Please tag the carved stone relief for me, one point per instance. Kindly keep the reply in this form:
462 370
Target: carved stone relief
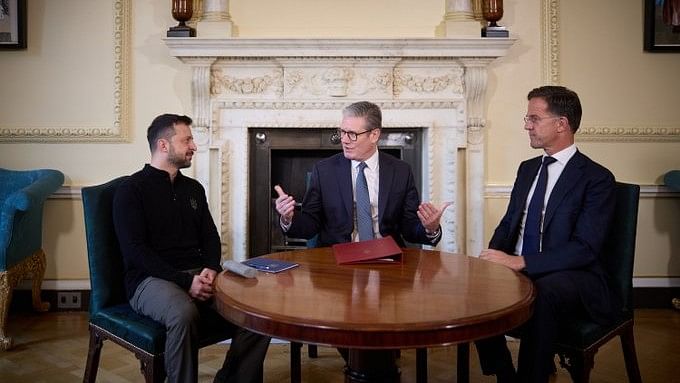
222 84
338 81
414 81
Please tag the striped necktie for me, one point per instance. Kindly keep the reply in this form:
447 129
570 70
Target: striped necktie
531 241
363 206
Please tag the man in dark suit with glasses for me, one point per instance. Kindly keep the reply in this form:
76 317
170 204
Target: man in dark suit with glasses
559 212
361 193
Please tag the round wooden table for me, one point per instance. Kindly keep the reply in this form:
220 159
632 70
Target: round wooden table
431 299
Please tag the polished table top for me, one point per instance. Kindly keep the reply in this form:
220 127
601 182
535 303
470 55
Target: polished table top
433 298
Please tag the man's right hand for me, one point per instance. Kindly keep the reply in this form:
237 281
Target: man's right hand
201 288
285 205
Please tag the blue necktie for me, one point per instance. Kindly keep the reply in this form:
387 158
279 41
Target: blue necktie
531 241
363 207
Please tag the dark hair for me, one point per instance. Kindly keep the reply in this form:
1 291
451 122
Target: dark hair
368 110
561 102
163 126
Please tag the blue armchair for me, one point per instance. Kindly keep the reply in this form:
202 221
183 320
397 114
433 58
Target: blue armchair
22 194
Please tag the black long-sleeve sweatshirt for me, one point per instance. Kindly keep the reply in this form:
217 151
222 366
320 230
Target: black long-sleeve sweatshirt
164 228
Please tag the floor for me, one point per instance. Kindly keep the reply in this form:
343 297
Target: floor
52 347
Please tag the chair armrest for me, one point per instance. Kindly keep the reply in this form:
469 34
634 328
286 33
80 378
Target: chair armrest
37 192
26 199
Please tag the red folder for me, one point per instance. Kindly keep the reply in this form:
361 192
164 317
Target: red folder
380 250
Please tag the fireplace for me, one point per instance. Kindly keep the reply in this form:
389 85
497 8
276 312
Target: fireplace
243 89
285 157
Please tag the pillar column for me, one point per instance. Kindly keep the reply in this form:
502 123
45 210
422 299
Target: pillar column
475 93
201 116
215 20
459 19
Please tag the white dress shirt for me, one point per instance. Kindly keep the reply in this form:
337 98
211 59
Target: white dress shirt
554 172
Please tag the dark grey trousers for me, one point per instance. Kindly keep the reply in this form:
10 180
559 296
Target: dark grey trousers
167 303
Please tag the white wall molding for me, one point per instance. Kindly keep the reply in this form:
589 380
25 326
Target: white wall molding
118 131
550 27
629 133
550 53
68 192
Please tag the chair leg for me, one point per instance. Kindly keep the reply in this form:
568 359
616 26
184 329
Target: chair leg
630 356
586 367
5 299
463 363
152 367
578 365
421 365
312 351
93 354
36 266
295 362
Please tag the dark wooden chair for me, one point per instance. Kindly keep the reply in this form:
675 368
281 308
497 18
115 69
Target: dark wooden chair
579 341
111 317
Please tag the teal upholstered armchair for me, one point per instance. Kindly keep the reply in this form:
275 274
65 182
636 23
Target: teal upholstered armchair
111 317
22 194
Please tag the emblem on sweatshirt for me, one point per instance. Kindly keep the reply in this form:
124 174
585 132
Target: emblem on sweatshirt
193 203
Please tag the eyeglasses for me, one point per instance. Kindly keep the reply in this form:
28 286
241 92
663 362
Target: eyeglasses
351 135
533 120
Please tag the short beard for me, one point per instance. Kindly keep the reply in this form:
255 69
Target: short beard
177 161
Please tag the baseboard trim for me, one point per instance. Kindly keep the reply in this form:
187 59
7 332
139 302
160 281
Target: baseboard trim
57 284
671 282
22 300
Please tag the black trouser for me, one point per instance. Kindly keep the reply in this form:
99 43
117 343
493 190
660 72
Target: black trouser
558 299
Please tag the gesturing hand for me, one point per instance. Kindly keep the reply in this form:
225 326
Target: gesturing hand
285 205
430 215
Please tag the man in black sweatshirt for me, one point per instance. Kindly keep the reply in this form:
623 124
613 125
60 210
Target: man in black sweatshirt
171 252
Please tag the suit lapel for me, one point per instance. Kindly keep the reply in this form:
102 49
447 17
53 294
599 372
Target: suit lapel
524 182
384 183
344 172
570 175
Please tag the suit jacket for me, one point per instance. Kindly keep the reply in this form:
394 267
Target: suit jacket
575 224
327 208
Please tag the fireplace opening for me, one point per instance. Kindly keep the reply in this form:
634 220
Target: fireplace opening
285 156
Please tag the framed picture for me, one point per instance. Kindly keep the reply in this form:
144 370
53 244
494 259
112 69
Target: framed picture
662 25
12 24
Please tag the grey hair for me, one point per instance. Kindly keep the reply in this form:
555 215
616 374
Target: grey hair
368 110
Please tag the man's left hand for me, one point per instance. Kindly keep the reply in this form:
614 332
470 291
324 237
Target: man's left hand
515 262
430 215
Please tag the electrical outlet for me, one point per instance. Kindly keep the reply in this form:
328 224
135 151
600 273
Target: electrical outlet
69 299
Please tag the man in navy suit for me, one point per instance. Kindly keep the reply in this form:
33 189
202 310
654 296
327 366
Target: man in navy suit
558 247
328 208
